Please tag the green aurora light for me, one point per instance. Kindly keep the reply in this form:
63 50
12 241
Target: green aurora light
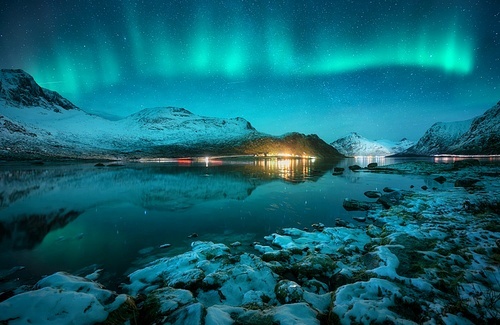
273 42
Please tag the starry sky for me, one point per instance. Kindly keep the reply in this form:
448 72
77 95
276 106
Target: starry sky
385 69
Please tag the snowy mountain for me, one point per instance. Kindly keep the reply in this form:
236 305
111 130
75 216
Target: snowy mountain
483 136
39 123
356 145
439 137
480 135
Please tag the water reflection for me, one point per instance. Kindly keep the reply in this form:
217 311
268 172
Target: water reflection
35 200
292 170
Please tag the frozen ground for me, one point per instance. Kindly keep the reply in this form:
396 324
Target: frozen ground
431 258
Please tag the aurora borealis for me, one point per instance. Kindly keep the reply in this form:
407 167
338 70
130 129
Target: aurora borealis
382 68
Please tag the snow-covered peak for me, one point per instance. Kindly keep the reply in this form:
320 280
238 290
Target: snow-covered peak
162 112
176 117
19 89
356 145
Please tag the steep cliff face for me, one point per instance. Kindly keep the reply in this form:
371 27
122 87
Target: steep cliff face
19 89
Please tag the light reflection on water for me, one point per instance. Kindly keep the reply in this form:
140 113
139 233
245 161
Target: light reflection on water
65 217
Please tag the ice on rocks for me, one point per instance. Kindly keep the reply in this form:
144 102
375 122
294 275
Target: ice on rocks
368 302
61 298
299 313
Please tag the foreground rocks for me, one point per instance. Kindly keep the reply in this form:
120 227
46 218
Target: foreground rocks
423 257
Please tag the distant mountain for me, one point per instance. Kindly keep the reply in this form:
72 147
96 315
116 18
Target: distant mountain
480 135
39 123
356 145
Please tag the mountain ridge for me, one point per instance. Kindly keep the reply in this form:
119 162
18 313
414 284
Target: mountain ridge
476 136
39 123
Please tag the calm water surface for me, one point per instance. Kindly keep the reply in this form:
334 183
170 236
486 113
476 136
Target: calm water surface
78 217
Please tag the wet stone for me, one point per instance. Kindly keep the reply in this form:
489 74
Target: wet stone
373 194
355 205
466 182
355 167
440 179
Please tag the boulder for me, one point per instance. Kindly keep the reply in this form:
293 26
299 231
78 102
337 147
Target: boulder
289 292
391 199
67 299
315 266
466 182
372 165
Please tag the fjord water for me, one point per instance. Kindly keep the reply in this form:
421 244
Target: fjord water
76 217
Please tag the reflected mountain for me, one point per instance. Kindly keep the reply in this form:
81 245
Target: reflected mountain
27 231
35 200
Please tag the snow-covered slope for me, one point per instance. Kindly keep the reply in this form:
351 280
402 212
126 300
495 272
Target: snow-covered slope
356 145
39 123
480 135
483 136
439 138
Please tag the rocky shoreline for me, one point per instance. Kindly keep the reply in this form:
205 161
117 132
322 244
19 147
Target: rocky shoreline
426 256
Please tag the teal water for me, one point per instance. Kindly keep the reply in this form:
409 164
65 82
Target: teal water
76 217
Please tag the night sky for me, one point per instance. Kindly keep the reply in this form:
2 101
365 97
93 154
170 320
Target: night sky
386 69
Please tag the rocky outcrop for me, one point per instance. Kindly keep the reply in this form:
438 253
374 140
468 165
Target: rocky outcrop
19 89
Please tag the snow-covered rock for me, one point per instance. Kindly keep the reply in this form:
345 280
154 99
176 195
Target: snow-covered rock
356 145
65 299
39 123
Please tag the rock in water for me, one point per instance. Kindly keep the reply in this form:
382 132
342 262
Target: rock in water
355 167
465 163
440 179
372 165
466 182
355 205
338 171
373 194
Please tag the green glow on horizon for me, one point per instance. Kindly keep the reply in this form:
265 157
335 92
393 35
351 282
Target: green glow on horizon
240 47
